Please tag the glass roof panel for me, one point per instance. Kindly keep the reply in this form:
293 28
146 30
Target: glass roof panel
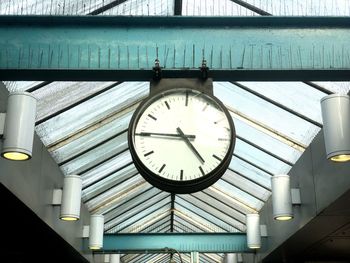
97 155
214 8
246 185
143 219
239 195
107 200
260 158
109 182
264 113
132 214
251 172
186 226
143 8
101 171
335 87
56 96
223 216
211 257
265 141
296 96
229 200
95 135
18 86
120 209
212 200
159 226
304 8
81 116
124 193
207 216
195 219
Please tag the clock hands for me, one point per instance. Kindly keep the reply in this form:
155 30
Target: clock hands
181 135
188 136
189 144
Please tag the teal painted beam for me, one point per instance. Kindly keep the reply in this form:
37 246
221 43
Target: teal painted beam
182 242
125 48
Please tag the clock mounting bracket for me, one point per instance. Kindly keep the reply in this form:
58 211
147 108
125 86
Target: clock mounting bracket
161 85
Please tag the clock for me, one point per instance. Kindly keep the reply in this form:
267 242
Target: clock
181 138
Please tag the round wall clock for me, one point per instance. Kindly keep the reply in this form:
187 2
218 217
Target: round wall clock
181 137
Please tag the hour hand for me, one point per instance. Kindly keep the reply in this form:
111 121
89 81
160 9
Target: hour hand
189 136
189 144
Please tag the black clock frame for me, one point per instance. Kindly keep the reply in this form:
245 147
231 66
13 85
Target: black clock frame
172 186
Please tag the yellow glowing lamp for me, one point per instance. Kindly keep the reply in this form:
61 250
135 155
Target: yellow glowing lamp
94 248
283 218
69 218
16 156
341 158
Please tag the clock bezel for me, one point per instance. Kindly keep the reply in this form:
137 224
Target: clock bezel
174 186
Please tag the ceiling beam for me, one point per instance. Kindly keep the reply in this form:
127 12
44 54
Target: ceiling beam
125 48
169 242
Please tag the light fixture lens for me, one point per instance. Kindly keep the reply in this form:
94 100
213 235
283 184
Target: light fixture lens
341 158
283 218
254 247
94 248
16 156
69 218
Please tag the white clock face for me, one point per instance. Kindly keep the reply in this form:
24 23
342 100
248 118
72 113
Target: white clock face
182 135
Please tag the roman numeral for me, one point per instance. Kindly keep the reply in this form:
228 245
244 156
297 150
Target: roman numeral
186 103
181 175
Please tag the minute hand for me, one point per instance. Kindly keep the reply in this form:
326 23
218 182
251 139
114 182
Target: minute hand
189 136
189 144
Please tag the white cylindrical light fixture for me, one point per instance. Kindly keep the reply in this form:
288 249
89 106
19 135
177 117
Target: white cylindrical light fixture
19 126
71 198
231 258
336 126
281 197
96 232
114 258
253 231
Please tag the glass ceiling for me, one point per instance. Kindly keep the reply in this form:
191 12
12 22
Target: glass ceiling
84 126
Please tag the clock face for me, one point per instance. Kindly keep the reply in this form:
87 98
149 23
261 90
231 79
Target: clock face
182 137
